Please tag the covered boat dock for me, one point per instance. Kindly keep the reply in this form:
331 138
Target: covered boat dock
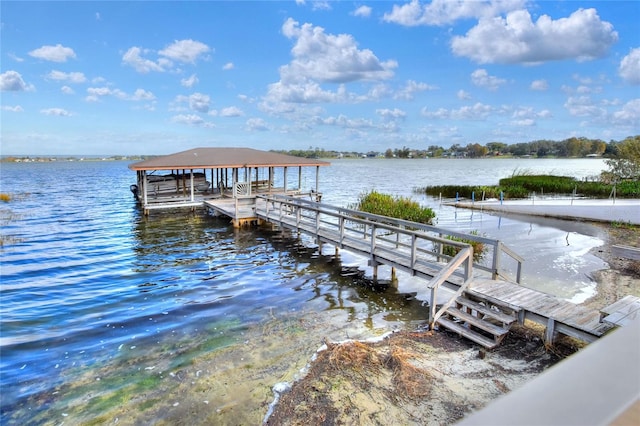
224 180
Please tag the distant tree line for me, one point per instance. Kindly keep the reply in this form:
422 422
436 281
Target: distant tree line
568 148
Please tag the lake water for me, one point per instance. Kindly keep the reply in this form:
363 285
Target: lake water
108 316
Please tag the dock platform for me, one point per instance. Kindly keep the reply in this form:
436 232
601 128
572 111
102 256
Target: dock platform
414 249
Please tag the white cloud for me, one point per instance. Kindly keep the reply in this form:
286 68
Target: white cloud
67 90
185 51
57 53
583 106
16 108
443 12
525 122
142 95
14 57
231 112
133 58
528 113
629 114
318 58
56 112
412 87
11 81
391 114
95 93
190 82
346 123
228 66
462 95
257 124
199 102
478 111
362 11
191 120
71 77
321 5
330 58
539 85
481 78
629 68
301 93
517 39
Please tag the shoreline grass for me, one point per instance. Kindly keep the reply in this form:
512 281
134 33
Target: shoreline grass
522 186
397 207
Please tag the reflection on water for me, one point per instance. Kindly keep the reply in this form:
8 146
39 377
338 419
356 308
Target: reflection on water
109 316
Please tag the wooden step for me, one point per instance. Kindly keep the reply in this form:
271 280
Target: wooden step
468 333
489 327
486 310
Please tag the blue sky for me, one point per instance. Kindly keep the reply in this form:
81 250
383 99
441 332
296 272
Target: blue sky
107 78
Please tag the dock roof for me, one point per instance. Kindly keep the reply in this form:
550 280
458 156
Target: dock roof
217 158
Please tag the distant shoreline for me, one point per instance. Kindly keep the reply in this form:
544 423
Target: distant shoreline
73 158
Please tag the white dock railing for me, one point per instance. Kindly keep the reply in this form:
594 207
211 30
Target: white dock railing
420 241
409 246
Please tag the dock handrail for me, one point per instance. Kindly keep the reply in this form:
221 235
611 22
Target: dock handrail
393 225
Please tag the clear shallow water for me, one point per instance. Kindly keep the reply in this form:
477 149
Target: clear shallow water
90 288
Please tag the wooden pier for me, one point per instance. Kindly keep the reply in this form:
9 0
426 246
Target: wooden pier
483 299
483 302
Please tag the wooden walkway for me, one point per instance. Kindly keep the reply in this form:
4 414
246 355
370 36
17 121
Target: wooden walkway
482 307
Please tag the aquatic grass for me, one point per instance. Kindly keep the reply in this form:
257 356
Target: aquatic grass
624 225
479 248
397 207
522 185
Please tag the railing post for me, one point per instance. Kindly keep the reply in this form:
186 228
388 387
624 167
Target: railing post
496 260
341 221
414 243
432 306
373 239
468 268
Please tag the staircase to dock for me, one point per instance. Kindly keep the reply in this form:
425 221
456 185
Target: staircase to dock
479 322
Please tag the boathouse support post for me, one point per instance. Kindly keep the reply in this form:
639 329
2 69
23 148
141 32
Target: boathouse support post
145 185
285 179
317 180
300 178
192 189
270 179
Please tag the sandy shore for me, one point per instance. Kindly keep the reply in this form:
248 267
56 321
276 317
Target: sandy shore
436 377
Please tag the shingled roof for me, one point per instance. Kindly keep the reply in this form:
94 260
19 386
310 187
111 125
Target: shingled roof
216 158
